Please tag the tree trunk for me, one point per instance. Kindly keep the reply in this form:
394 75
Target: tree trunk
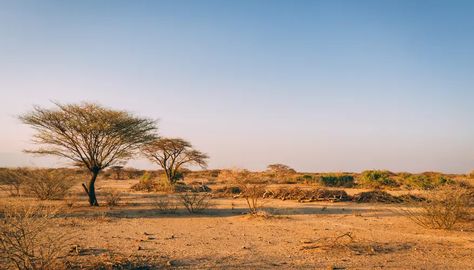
169 176
90 189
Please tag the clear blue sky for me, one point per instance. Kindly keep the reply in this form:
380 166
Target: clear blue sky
318 85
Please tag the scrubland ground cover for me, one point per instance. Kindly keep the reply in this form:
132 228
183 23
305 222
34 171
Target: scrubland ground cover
235 219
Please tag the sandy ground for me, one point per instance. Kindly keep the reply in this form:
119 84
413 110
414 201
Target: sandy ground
294 236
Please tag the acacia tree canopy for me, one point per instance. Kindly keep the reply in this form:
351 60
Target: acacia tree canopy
89 135
280 168
173 154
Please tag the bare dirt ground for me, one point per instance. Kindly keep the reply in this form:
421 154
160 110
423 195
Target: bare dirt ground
318 235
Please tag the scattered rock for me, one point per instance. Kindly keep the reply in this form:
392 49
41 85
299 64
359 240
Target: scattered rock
171 263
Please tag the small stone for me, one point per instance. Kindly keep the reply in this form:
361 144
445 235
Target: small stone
171 263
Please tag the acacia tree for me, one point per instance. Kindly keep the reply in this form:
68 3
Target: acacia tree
280 169
173 154
89 135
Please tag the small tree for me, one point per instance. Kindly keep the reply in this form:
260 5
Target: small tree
173 154
280 169
89 135
117 169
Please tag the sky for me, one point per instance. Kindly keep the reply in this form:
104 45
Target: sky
317 85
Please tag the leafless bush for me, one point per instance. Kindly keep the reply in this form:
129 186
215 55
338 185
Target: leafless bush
195 202
27 240
113 197
166 205
12 180
253 195
48 184
442 209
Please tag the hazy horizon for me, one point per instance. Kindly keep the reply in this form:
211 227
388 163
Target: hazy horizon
316 85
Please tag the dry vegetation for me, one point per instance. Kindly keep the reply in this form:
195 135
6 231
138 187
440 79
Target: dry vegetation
146 225
30 239
195 202
442 209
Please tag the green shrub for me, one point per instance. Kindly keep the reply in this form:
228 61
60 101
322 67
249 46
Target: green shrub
146 183
306 178
426 181
377 179
337 180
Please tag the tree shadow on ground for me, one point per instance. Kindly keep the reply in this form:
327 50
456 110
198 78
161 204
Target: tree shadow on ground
146 212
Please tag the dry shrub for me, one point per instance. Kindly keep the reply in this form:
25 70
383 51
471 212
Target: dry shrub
113 197
411 198
348 242
280 173
375 196
233 175
253 195
48 184
148 183
441 210
27 239
12 180
226 191
330 243
199 186
195 202
307 195
166 205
